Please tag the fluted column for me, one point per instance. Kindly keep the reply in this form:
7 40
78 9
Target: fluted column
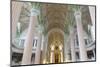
16 10
26 59
82 46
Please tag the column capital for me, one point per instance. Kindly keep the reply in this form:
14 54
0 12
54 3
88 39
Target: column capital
35 12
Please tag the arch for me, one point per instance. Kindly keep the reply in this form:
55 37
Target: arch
55 44
55 30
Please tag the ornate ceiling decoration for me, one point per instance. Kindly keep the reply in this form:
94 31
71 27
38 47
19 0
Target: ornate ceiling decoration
54 16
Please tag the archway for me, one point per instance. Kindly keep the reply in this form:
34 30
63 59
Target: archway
55 46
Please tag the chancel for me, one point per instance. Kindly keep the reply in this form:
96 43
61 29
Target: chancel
46 33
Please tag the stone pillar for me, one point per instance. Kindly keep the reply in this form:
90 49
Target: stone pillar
38 49
45 45
26 59
66 48
44 49
42 44
61 53
16 10
92 14
52 57
52 54
43 60
73 52
82 46
61 56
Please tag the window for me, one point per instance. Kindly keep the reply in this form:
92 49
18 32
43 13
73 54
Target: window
33 57
18 29
90 54
18 26
35 43
77 55
77 40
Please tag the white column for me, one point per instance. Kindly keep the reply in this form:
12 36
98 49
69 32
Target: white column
45 45
92 14
16 10
42 44
29 38
52 54
82 46
44 48
73 52
52 57
61 56
38 49
66 49
61 53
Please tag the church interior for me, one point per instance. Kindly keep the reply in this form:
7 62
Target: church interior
52 33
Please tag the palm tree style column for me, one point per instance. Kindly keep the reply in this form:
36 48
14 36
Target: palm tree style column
26 59
70 31
82 46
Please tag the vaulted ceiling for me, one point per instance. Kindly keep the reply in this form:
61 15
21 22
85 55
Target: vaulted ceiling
54 16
